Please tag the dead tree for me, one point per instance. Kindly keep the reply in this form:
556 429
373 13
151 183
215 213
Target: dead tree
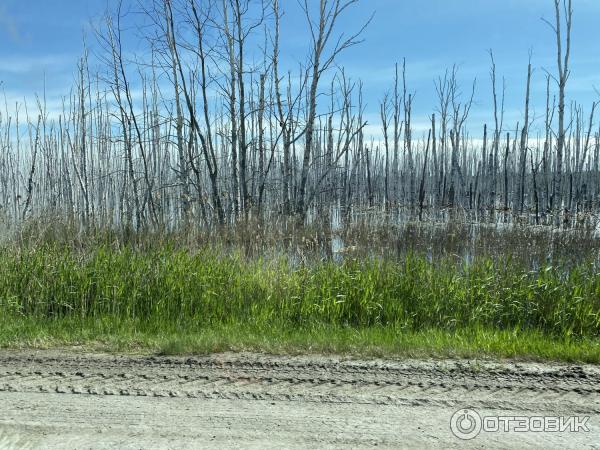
523 146
321 33
563 76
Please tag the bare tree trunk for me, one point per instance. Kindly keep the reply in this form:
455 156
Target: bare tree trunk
233 116
261 142
329 13
535 192
397 132
523 146
563 75
181 151
422 186
506 152
384 114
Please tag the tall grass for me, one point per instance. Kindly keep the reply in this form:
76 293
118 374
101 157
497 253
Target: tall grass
171 287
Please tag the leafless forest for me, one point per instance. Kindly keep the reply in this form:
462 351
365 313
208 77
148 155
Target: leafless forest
206 128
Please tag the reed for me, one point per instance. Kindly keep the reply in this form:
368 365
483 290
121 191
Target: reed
169 287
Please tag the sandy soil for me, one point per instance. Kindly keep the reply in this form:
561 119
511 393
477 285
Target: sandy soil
52 399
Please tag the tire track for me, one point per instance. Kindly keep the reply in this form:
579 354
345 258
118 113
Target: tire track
66 400
507 386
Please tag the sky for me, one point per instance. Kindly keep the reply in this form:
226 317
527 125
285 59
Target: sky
41 41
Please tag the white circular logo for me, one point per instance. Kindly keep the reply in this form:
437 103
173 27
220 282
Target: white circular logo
465 424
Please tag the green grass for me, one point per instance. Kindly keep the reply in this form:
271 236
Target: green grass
174 301
136 337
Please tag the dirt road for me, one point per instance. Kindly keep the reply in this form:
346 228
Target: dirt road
50 399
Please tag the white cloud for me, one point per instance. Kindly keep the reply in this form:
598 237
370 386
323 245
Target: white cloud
19 65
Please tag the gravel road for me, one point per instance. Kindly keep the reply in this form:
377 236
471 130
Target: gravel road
53 399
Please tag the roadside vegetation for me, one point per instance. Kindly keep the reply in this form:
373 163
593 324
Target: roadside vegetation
213 195
167 294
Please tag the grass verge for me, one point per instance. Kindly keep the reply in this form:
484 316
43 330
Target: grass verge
131 337
176 301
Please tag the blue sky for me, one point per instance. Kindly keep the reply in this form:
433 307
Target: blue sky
42 40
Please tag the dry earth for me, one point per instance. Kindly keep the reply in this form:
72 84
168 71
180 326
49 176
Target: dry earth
52 399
